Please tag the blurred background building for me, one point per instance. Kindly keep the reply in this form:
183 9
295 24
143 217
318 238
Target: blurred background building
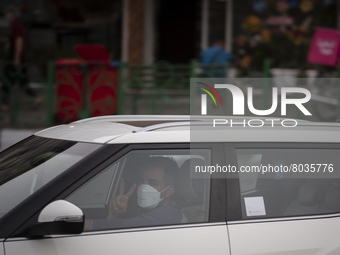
164 39
147 31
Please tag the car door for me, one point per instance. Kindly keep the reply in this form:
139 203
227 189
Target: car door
285 212
199 228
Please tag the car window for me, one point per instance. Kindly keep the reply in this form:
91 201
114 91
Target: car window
32 163
146 188
288 182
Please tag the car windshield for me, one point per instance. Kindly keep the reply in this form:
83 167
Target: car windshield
32 163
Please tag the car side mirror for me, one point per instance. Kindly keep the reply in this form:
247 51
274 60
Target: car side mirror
58 218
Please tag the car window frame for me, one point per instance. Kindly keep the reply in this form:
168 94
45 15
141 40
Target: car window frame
26 214
116 151
234 206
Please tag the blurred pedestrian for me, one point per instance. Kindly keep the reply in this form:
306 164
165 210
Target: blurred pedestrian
214 59
14 69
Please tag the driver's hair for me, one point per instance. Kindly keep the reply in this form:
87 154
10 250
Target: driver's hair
168 165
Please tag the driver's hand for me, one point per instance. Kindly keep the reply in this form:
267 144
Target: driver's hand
118 204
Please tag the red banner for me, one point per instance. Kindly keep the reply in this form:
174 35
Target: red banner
92 88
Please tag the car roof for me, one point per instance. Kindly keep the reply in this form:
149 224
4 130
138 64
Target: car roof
185 128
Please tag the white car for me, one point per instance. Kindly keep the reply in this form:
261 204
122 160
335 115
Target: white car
172 185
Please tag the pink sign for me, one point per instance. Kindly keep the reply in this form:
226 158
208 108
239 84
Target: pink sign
325 47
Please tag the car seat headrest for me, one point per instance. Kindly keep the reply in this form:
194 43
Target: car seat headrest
332 198
312 192
189 188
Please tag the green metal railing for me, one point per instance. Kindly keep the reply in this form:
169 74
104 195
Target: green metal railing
158 82
145 89
162 81
147 86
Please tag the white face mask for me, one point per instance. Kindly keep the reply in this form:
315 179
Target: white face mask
148 197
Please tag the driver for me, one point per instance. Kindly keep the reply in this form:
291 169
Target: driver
155 190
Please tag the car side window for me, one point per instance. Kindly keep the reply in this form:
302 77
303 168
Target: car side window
146 188
288 182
